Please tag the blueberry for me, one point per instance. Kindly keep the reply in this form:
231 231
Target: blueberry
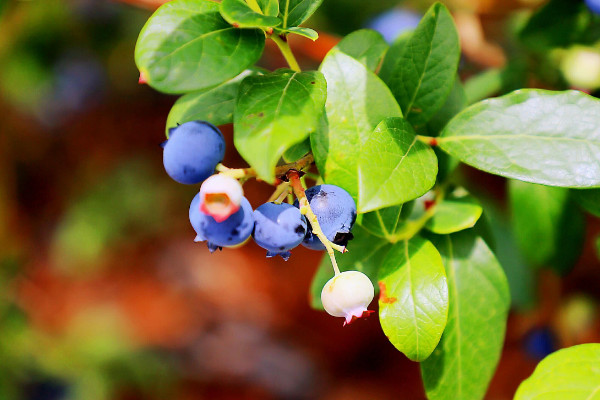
540 342
193 151
593 5
234 230
336 212
392 24
278 228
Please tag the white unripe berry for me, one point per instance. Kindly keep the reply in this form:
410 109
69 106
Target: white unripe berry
348 295
220 196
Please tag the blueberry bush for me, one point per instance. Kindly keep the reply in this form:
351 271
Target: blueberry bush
376 132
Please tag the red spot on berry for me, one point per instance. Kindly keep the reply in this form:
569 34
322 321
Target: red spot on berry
383 296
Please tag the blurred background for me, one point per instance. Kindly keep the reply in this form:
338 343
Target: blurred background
104 294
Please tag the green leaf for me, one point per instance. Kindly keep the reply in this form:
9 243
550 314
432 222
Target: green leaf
455 103
559 23
413 300
454 213
306 32
357 100
365 253
589 200
274 112
214 105
186 45
571 373
269 7
393 166
239 14
533 135
295 12
383 222
297 151
422 71
366 46
546 225
463 364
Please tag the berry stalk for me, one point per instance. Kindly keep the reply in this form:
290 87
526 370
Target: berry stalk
296 183
247 173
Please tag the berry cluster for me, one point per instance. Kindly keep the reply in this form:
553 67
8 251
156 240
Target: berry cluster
223 217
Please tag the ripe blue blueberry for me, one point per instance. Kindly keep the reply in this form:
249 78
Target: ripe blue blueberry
234 230
593 5
336 212
278 228
193 151
393 23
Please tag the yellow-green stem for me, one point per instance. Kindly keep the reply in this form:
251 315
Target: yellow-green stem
285 49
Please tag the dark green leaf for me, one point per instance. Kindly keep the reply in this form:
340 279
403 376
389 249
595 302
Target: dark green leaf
570 373
413 301
357 101
269 7
559 23
214 105
463 364
455 103
186 45
454 213
365 253
422 73
383 222
548 229
393 166
297 151
239 14
589 200
295 12
537 136
275 111
366 46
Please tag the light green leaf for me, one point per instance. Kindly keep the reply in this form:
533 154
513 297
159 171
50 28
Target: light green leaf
463 364
306 32
548 228
366 46
454 213
422 71
393 166
214 105
239 14
413 300
186 45
365 253
357 100
275 111
533 135
572 373
295 12
589 200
